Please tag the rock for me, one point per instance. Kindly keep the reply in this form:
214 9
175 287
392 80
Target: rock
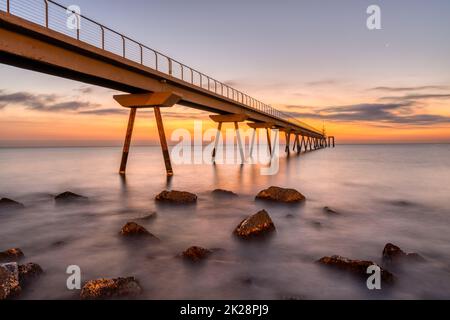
290 216
9 280
28 272
110 289
132 229
196 253
68 197
6 203
173 196
224 193
281 195
329 210
255 225
393 254
358 267
11 255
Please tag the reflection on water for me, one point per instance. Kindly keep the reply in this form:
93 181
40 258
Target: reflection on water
395 194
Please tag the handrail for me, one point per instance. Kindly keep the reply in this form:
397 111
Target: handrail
236 95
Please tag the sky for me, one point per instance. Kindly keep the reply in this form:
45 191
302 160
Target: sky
315 59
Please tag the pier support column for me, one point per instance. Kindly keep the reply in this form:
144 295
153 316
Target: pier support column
261 125
231 118
163 141
287 134
147 100
295 145
127 143
302 142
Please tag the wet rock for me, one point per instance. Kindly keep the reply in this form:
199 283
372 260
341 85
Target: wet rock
196 253
328 210
9 280
132 229
393 254
111 288
6 203
69 197
255 225
29 272
278 194
10 255
174 196
358 267
223 193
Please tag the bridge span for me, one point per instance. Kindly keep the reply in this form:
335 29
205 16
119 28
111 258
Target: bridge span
34 35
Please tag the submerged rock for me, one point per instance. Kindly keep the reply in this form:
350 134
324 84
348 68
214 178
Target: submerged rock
28 272
9 280
6 203
329 210
174 196
255 225
11 255
132 229
195 253
393 254
111 288
358 267
280 195
223 193
68 197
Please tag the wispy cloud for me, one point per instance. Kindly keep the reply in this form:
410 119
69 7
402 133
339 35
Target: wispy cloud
324 82
416 97
375 113
105 112
406 89
43 102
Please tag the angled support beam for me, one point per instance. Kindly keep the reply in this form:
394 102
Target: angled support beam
295 145
262 125
234 118
216 142
269 143
127 143
288 141
239 141
252 143
147 100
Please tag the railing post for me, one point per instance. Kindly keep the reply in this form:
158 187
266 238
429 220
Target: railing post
170 65
103 37
7 6
142 54
156 60
46 12
123 46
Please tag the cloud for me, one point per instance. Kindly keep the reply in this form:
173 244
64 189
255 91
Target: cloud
375 113
85 90
418 97
105 112
405 89
42 102
324 82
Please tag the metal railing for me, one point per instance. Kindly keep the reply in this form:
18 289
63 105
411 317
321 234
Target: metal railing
54 16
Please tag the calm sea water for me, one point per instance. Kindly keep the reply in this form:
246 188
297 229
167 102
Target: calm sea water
384 193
